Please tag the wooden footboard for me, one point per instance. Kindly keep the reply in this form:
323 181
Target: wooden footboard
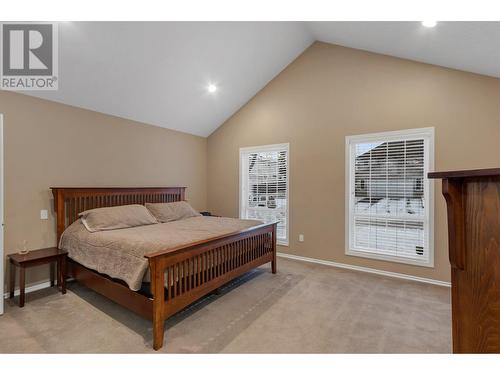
181 276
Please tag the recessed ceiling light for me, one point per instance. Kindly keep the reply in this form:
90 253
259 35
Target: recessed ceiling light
212 88
429 23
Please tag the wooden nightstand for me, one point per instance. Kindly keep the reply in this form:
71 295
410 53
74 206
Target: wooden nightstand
50 255
208 213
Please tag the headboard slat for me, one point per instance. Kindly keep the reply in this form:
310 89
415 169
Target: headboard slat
69 202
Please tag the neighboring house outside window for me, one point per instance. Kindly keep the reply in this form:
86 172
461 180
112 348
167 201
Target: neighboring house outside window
264 177
389 197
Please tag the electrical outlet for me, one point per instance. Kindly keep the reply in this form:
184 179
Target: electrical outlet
44 214
301 238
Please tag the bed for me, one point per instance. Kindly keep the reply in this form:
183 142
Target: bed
178 274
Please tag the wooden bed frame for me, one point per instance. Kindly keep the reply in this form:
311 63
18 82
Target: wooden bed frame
193 270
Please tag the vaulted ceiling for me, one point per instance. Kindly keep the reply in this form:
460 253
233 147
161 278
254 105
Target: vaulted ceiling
158 72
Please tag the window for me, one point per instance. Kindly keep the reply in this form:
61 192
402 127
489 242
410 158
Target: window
264 186
390 199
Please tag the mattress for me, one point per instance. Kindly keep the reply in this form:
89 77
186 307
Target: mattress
120 253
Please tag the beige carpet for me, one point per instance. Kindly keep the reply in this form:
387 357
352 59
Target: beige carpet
305 308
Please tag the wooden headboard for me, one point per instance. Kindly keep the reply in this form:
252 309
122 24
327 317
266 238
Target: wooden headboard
69 202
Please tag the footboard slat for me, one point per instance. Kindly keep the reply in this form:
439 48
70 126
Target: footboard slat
243 251
184 300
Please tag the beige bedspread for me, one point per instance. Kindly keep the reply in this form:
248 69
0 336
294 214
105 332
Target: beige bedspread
120 253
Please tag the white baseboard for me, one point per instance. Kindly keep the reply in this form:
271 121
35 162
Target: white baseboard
31 288
366 269
46 284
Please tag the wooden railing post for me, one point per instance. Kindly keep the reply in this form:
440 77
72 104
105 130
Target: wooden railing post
473 202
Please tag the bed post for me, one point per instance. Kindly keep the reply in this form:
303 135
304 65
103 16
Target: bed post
60 211
274 239
157 288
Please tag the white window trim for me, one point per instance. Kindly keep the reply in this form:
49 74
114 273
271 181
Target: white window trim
274 147
428 135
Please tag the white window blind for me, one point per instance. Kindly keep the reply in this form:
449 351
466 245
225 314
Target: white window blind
264 186
390 198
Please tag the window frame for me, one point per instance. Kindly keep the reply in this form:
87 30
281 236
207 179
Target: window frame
427 134
266 148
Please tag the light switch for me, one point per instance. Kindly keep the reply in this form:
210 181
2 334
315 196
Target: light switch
44 214
301 238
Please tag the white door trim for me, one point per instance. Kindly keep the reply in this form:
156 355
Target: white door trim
2 278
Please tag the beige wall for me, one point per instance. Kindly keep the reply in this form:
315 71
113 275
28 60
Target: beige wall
327 93
330 92
50 144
